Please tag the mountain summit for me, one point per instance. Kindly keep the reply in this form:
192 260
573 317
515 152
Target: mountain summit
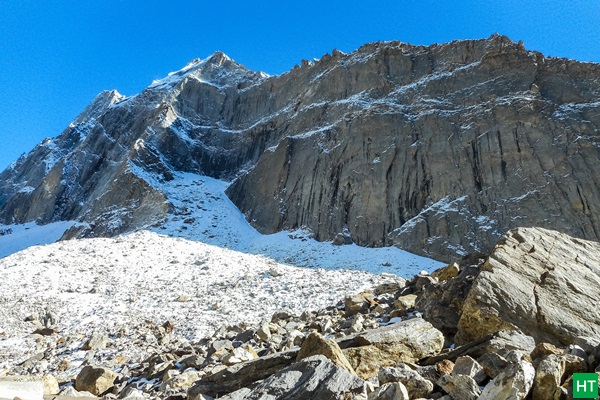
439 150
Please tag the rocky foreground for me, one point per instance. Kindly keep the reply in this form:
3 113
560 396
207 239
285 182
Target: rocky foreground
514 324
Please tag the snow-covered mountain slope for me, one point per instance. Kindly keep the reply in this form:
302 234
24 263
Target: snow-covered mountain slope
203 212
30 234
123 286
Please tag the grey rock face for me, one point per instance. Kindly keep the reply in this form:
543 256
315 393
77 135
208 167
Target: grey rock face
314 377
541 282
439 150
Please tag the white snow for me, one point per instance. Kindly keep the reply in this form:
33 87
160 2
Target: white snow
31 234
115 286
206 214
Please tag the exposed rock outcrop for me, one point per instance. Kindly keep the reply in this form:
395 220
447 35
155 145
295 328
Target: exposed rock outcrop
439 150
540 282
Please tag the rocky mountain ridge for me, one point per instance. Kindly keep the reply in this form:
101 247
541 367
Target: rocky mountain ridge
439 150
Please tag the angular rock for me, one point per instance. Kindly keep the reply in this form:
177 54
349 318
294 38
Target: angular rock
315 344
96 380
442 303
406 341
531 281
498 342
551 373
241 375
448 272
314 377
415 384
513 383
461 387
390 391
468 366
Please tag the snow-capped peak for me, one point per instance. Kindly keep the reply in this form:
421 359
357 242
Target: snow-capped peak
217 70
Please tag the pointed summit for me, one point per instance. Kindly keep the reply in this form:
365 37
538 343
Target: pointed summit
217 58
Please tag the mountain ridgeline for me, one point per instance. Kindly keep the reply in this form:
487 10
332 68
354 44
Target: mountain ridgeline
438 150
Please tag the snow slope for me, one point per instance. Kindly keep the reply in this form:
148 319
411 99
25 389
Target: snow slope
204 213
119 286
30 234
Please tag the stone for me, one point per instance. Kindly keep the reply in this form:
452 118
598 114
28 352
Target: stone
70 391
405 303
442 303
315 344
493 364
448 272
514 382
390 391
264 333
468 366
241 375
96 380
415 384
459 386
551 372
533 291
96 342
542 350
406 341
314 377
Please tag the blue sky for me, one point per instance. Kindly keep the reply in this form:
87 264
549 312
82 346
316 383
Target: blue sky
55 58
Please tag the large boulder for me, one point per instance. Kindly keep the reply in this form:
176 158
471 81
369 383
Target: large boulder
406 341
541 282
514 382
316 344
314 377
96 380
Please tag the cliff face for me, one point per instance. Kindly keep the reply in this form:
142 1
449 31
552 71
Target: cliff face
439 150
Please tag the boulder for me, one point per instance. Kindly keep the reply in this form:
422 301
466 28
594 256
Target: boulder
390 391
513 383
238 376
96 380
541 282
461 387
315 344
314 377
501 341
406 341
551 373
468 366
415 384
442 303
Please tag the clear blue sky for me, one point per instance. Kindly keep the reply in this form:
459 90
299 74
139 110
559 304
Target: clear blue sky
55 58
